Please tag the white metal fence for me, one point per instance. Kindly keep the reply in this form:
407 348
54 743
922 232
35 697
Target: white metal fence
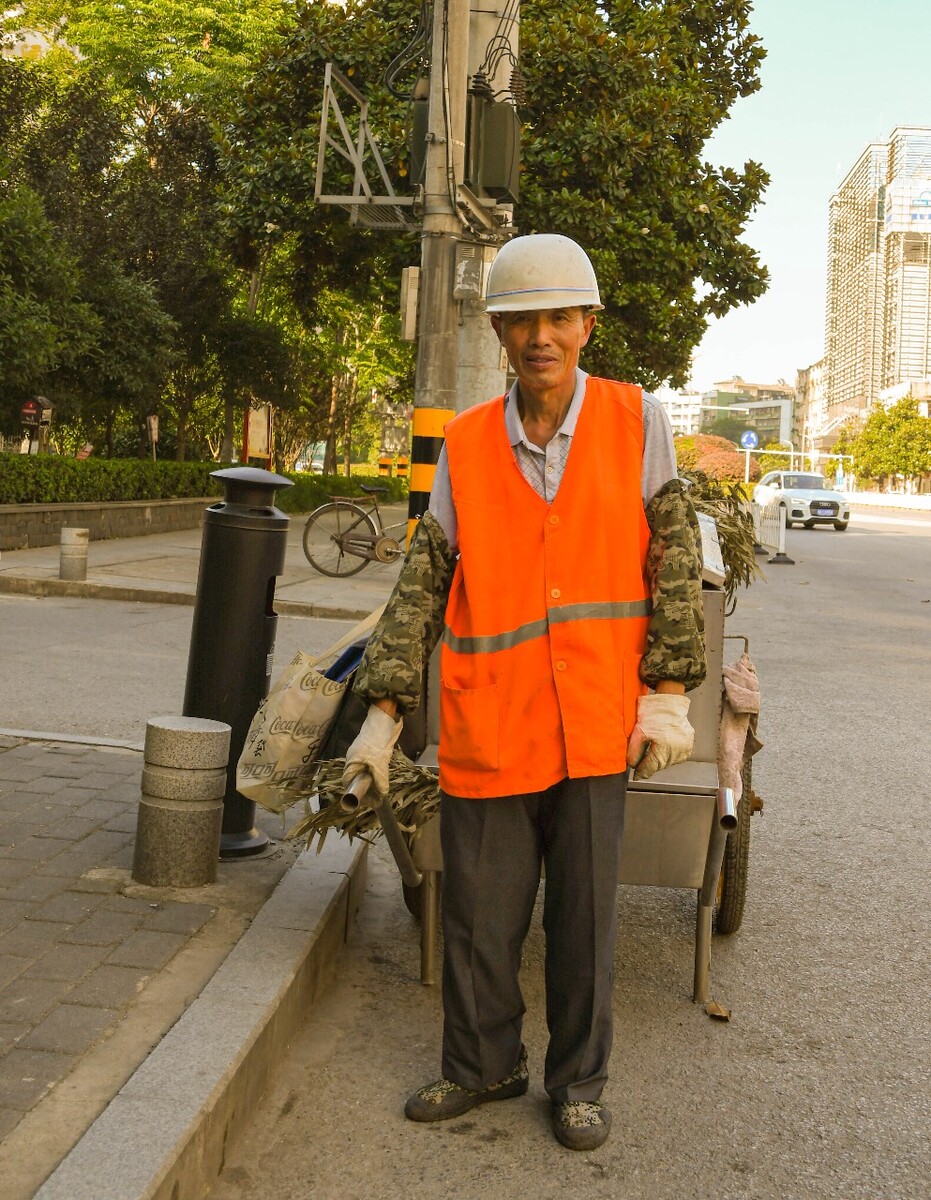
769 530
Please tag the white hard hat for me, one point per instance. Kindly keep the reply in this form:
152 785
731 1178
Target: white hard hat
541 270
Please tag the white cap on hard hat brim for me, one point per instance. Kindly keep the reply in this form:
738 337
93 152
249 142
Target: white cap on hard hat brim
541 270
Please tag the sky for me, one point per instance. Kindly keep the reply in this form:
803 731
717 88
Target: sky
838 75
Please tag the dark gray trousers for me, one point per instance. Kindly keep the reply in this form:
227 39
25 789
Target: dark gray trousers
492 853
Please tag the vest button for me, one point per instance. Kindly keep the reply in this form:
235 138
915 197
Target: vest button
560 666
554 520
555 593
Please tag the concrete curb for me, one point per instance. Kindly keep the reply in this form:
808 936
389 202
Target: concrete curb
71 739
164 1135
19 585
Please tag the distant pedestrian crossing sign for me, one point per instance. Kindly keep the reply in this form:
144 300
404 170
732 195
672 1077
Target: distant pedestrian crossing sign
749 440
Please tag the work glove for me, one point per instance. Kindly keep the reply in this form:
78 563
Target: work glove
662 736
371 751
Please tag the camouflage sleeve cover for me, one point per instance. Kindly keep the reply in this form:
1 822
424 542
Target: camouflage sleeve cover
393 665
675 647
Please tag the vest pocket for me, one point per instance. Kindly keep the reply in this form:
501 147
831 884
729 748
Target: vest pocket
469 727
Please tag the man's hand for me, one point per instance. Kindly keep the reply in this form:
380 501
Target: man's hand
371 751
662 736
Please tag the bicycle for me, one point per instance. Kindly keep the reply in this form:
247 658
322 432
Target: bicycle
343 530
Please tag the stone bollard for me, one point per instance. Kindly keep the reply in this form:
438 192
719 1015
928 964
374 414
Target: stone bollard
181 809
73 560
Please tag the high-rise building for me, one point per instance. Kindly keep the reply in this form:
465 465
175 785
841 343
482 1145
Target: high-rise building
879 275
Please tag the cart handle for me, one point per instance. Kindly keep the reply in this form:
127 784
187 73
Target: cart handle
361 790
727 809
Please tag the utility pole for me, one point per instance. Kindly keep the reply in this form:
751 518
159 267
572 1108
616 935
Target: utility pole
437 330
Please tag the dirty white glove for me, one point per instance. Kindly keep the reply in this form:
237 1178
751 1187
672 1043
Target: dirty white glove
371 751
662 736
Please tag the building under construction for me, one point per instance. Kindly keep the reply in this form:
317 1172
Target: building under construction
879 277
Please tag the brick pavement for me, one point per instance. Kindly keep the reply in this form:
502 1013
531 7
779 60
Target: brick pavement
75 950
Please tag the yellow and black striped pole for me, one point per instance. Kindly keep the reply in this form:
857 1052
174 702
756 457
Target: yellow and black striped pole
426 443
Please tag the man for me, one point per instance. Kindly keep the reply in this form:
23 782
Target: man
559 561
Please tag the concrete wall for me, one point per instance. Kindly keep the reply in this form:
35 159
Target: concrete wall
26 525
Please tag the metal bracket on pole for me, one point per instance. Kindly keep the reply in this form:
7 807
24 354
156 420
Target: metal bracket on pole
483 216
386 211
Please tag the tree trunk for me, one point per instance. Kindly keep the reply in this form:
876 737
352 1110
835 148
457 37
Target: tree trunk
352 388
227 447
329 454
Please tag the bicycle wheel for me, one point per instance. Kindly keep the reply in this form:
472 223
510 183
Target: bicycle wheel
336 538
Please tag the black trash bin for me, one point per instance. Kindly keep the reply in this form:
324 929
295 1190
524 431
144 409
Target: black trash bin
233 633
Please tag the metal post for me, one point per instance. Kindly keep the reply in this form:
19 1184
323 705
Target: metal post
234 626
723 822
429 924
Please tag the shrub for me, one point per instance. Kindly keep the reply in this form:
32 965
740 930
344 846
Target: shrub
713 455
48 479
310 491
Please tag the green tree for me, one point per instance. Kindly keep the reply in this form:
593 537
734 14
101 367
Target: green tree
45 325
63 140
773 462
621 99
166 72
893 442
618 101
160 54
132 357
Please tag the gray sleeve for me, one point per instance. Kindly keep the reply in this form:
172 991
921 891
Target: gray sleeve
441 502
659 455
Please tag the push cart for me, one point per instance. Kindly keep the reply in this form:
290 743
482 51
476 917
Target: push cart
681 828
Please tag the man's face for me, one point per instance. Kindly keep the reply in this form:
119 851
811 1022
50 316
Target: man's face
543 346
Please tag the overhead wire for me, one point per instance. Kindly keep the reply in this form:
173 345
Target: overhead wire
414 50
499 44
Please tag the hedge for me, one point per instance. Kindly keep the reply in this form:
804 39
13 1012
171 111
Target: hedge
47 479
309 491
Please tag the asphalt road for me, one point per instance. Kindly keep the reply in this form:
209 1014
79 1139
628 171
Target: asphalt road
102 668
819 1086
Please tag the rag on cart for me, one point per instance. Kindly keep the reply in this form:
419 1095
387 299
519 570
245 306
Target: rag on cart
737 737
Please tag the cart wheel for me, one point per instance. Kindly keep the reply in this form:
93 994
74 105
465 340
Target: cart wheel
732 885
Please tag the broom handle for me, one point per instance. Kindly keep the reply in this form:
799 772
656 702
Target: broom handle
353 796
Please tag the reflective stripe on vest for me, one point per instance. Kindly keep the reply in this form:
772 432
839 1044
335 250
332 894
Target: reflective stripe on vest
609 609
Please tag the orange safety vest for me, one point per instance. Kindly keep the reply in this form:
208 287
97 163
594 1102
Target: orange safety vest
547 616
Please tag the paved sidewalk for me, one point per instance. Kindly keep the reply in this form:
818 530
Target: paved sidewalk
111 993
163 567
94 969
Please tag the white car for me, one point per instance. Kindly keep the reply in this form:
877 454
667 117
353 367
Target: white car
808 499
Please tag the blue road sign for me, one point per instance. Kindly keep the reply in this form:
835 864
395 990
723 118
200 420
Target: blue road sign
749 440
